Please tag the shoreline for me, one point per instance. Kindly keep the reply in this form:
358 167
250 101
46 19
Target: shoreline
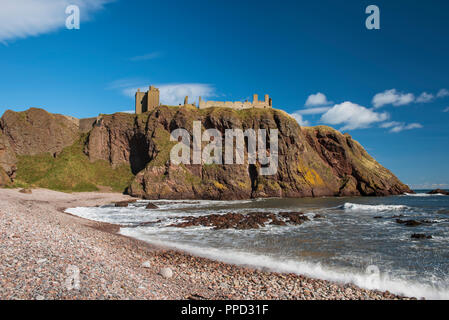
42 244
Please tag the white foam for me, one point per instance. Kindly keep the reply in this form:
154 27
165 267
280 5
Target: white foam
380 207
368 281
422 195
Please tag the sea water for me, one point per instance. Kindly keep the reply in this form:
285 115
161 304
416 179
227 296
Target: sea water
358 241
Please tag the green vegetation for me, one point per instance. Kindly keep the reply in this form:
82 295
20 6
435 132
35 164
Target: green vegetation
71 171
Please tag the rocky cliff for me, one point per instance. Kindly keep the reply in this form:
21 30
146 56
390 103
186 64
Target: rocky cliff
8 161
36 131
316 161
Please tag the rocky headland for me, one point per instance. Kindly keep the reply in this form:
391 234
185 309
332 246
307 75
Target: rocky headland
127 152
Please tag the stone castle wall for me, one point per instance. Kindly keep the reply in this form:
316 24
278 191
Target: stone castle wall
238 105
149 100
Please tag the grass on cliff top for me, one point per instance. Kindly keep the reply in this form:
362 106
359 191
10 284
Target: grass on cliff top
71 171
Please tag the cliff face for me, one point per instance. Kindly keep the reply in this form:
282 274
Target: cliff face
358 172
36 131
317 161
8 161
32 132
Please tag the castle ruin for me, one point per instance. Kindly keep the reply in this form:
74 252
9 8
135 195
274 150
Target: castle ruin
145 101
238 105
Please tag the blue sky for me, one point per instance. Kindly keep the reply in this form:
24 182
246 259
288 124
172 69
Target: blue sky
316 59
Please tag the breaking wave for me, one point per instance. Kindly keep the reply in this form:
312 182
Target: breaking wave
376 208
422 195
366 280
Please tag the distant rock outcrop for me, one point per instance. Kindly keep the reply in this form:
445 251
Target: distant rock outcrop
439 191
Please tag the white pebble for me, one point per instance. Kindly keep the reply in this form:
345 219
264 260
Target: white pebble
166 273
146 264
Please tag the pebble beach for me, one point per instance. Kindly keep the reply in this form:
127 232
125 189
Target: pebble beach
47 254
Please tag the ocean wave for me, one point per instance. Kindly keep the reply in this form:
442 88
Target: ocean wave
376 208
421 195
368 280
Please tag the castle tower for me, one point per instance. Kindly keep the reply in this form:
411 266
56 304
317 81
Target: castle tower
186 101
255 99
267 99
146 101
152 98
140 97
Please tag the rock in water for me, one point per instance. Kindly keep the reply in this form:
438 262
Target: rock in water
167 273
124 204
439 191
409 223
420 236
151 206
252 220
121 204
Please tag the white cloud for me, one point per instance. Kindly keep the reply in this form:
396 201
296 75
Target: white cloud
174 94
400 126
392 97
298 117
391 124
170 94
443 93
352 116
446 110
318 99
425 98
25 18
148 56
312 111
429 185
128 111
